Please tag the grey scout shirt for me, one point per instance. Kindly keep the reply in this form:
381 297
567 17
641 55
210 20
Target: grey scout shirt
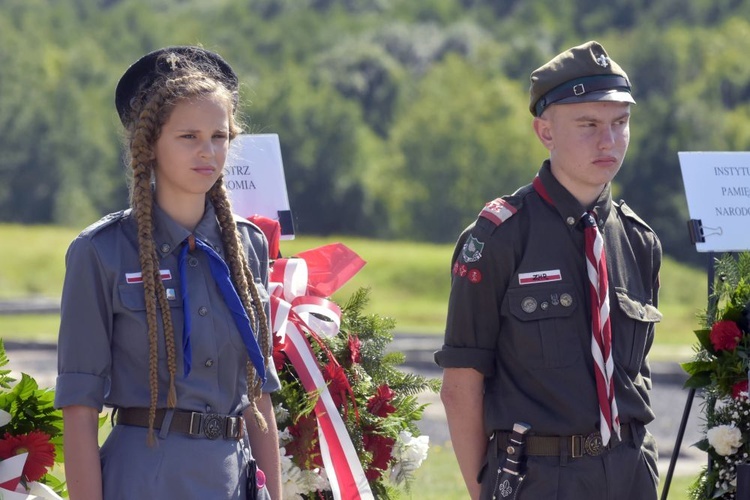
519 311
103 342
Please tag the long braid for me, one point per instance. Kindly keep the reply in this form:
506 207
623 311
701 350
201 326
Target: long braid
144 136
243 280
151 108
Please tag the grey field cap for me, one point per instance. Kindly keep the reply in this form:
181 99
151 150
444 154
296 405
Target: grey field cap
584 73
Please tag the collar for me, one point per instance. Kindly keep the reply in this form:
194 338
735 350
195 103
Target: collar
570 210
169 235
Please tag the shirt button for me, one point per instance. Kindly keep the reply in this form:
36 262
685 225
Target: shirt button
165 248
571 221
203 310
193 262
209 363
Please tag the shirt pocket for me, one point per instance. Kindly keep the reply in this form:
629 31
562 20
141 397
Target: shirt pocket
544 332
633 330
132 323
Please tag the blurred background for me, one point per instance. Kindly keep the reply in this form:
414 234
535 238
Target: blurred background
398 119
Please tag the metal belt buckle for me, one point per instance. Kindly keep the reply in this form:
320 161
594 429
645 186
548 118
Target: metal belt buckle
593 444
234 428
576 446
212 425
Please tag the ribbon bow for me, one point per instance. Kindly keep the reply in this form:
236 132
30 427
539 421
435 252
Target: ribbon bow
298 287
11 470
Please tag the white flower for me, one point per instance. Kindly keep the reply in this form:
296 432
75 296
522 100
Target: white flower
285 437
408 455
725 439
296 482
4 418
291 478
281 413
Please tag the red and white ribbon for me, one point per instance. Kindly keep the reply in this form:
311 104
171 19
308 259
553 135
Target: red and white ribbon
293 311
10 482
601 338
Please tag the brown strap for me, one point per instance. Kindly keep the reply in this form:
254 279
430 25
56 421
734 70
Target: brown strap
208 425
551 446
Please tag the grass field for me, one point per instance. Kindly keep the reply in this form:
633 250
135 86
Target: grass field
408 281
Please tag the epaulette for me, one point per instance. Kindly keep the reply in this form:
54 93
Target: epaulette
105 221
630 214
501 209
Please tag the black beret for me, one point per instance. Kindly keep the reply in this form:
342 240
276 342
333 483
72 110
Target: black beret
581 74
144 71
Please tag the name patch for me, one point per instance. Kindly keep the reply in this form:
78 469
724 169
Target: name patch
539 277
132 278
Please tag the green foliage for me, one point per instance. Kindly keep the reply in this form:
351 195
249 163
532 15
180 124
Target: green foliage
376 401
389 112
31 409
717 366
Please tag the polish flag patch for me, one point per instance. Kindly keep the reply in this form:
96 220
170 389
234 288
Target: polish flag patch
498 211
132 278
539 277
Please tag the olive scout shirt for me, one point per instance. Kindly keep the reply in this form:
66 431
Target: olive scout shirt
519 311
103 348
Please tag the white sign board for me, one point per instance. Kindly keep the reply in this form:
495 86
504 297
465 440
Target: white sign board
717 187
254 176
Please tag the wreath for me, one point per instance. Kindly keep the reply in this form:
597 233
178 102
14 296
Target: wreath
720 368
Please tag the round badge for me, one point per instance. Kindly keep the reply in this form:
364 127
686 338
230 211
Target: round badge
462 270
593 444
212 425
528 305
544 306
566 300
475 276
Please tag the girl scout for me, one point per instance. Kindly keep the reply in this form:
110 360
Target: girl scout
164 307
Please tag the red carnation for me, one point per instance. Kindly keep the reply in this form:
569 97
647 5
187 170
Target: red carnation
354 345
304 447
380 403
279 356
36 443
380 447
725 335
338 384
739 387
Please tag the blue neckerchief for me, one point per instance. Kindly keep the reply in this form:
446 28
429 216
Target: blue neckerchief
220 273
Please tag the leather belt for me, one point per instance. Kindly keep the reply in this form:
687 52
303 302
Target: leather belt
574 446
207 425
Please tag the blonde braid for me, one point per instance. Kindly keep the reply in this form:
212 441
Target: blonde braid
243 280
144 136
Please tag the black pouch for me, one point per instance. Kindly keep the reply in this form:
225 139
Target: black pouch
251 491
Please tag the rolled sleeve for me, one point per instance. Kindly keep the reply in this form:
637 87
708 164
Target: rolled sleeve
80 389
84 355
272 383
482 360
477 286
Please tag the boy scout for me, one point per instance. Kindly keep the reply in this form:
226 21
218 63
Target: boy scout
553 305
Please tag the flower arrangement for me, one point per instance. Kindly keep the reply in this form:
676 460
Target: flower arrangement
721 367
30 438
377 404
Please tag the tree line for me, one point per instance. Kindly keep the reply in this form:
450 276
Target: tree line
397 119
